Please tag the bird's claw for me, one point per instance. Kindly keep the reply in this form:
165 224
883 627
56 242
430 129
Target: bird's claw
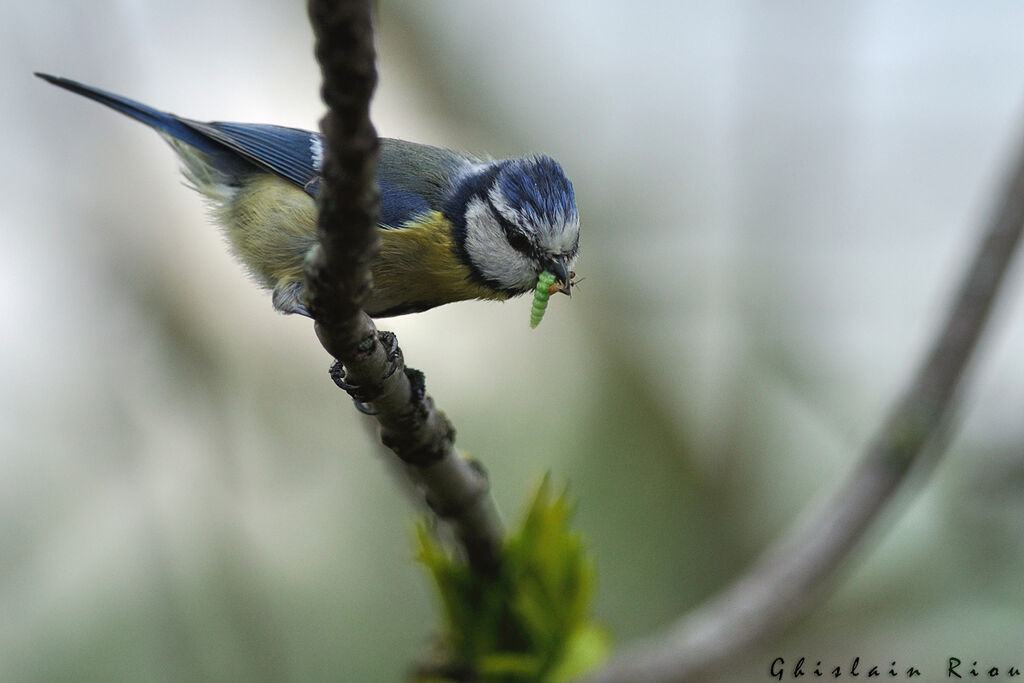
359 398
358 393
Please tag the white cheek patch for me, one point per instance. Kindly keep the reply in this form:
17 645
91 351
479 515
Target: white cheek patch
490 252
316 150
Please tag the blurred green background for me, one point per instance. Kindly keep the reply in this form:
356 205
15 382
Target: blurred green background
777 198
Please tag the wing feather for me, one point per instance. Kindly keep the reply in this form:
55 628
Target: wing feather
287 152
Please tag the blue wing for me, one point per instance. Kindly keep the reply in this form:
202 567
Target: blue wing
412 181
413 178
293 154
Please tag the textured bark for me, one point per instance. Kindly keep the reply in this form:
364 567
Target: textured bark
370 365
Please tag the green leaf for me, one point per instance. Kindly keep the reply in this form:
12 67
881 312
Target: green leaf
586 650
531 620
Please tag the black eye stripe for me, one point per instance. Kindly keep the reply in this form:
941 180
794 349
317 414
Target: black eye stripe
515 236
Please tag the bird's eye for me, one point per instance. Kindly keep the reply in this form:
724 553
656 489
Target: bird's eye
519 241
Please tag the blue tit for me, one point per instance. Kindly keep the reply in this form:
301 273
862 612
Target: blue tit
453 227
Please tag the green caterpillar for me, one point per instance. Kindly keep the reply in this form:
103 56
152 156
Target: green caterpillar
540 298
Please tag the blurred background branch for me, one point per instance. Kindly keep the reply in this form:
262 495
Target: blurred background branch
796 570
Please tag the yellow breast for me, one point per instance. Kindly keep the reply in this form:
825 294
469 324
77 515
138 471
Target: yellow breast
271 225
418 268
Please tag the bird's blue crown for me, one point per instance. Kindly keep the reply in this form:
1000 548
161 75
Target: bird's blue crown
537 187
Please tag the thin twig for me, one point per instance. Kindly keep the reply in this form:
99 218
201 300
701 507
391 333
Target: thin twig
370 365
783 582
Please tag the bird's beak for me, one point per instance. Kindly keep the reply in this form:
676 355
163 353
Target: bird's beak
561 271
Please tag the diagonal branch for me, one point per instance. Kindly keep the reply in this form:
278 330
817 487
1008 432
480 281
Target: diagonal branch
369 365
780 586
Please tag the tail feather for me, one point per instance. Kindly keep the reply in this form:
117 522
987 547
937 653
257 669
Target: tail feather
161 121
